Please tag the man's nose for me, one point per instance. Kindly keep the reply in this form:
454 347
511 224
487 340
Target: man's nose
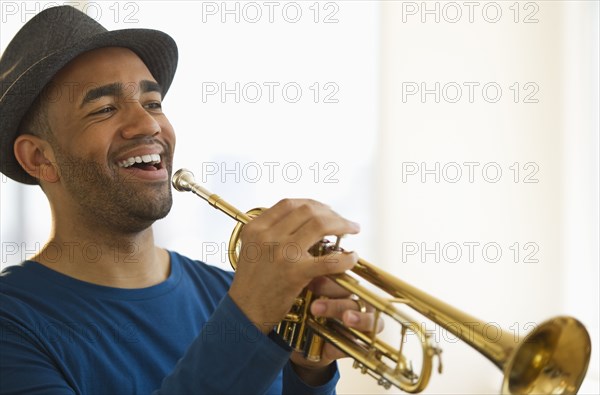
139 122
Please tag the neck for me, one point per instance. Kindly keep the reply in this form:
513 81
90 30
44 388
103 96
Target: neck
106 258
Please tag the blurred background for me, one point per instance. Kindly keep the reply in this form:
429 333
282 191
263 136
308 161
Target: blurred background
462 136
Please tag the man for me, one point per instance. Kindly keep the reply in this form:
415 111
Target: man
81 116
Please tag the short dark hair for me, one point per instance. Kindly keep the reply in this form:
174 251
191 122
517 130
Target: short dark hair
35 121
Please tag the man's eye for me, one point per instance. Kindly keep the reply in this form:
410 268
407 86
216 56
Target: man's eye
105 110
154 106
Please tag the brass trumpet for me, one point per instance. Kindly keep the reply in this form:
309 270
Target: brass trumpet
552 359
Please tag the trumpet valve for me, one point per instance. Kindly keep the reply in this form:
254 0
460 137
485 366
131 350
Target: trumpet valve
437 352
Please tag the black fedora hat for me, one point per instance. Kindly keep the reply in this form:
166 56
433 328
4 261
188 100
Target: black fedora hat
45 45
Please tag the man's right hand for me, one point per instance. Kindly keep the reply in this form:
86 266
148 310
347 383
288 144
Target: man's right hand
274 264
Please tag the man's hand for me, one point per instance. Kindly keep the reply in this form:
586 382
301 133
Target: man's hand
274 263
337 305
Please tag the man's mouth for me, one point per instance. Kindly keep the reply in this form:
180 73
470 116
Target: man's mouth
144 162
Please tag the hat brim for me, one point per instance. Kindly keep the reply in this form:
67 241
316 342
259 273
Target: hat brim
155 48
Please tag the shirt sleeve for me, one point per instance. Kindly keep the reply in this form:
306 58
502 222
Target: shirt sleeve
292 384
232 356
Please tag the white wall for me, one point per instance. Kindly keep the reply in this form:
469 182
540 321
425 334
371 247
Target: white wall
552 135
372 137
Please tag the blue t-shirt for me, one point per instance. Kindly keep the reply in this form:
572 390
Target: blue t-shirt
59 335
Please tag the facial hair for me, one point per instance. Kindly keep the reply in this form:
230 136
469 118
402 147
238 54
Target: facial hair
109 200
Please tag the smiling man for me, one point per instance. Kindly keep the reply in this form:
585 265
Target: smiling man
81 116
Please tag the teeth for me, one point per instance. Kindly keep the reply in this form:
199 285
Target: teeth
148 158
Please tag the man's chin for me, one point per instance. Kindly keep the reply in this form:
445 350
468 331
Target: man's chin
141 223
141 212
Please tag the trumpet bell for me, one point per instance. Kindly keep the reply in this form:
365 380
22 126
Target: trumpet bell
552 359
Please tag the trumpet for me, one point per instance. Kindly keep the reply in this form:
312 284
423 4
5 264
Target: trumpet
551 359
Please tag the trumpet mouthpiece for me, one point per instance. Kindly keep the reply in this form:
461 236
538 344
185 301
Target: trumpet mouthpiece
182 180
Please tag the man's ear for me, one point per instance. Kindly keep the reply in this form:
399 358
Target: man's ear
36 157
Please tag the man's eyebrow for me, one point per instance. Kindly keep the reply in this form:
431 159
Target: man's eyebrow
150 86
114 89
117 89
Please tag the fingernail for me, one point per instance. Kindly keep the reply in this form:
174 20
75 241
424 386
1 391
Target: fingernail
318 307
351 317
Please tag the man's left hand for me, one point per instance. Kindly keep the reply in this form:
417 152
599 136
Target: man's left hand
338 305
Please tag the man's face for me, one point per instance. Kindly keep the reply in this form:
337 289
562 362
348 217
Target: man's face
112 142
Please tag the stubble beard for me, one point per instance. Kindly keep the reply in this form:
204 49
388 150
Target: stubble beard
108 200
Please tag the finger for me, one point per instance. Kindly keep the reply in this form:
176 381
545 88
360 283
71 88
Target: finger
331 352
324 286
318 226
346 310
333 308
310 221
364 322
300 212
272 217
